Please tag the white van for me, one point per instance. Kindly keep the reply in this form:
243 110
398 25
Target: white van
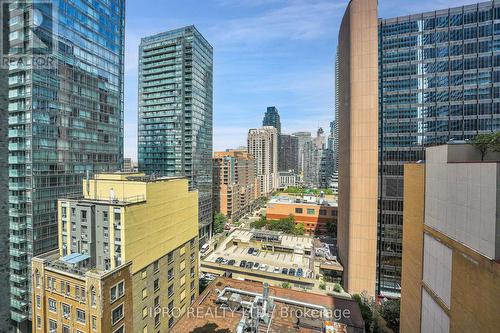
204 248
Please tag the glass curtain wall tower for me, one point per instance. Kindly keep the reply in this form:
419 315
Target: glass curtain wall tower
65 121
439 80
175 112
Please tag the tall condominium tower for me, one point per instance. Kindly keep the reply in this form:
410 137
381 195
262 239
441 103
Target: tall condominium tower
175 112
357 98
303 137
272 118
439 80
263 146
288 153
65 119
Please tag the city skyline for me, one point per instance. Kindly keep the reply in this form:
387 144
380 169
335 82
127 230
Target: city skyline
285 50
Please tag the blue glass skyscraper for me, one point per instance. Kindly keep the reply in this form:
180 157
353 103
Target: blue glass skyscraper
439 80
175 112
65 120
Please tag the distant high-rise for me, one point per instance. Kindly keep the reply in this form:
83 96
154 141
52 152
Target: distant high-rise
175 112
64 120
288 153
357 98
303 137
263 145
272 118
439 79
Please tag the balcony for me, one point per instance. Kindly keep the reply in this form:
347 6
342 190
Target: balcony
17 252
17 159
16 146
17 186
15 212
19 317
18 278
13 120
16 173
19 292
18 304
17 226
17 199
17 239
17 133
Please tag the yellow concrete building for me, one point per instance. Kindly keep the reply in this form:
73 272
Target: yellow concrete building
357 107
149 225
451 247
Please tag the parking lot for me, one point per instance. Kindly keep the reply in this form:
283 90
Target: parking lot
261 260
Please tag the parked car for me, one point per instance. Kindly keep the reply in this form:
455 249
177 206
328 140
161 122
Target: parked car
255 252
284 271
276 269
291 271
243 263
231 262
204 248
227 226
256 265
300 272
249 264
250 250
263 267
219 260
224 261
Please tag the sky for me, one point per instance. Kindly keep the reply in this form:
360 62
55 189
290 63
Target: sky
266 53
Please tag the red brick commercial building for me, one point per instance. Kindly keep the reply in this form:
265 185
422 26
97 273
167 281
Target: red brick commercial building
314 212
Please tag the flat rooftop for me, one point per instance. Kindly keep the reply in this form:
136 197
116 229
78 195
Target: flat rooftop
298 259
208 315
304 200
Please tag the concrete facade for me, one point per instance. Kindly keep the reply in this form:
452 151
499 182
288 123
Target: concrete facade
235 183
357 100
263 146
451 280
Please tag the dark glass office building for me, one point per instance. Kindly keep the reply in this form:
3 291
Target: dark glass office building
439 80
175 112
65 119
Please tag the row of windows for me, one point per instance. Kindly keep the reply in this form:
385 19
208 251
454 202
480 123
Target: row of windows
312 211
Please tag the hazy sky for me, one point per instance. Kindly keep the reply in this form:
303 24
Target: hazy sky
266 52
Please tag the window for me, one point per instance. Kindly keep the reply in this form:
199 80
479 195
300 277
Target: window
144 293
80 316
66 309
93 296
145 329
322 212
183 280
192 285
52 325
120 330
37 278
310 211
171 322
117 291
157 320
182 250
144 274
94 323
183 295
83 215
157 302
156 284
38 322
52 305
64 212
182 265
38 302
192 298
77 292
170 290
66 329
170 257
192 257
170 274
117 314
144 312
298 210
156 266
105 216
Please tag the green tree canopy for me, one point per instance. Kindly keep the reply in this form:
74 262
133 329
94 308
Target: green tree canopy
220 221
